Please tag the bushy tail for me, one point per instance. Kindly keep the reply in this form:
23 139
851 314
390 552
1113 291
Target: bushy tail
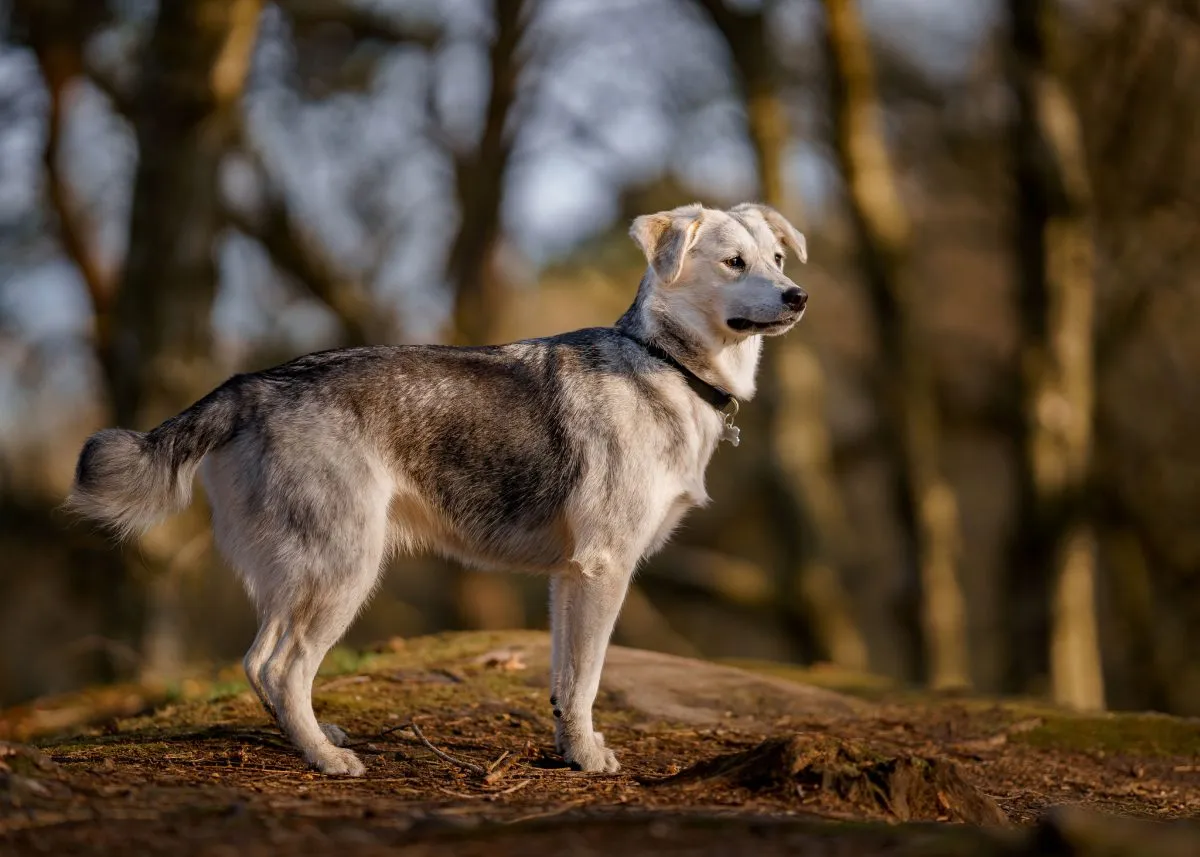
129 480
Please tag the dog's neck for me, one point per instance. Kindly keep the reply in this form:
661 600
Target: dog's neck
730 364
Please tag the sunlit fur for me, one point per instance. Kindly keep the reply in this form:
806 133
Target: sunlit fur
574 456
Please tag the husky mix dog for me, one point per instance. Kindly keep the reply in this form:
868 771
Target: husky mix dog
573 456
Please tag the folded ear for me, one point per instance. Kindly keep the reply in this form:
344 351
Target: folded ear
666 237
791 237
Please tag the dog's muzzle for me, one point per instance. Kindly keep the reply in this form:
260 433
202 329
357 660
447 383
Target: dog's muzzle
794 301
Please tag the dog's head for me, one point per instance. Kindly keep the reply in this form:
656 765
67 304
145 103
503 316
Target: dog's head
721 273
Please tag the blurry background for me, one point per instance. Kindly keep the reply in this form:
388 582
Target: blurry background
975 464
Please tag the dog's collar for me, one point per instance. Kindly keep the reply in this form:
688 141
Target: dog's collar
718 397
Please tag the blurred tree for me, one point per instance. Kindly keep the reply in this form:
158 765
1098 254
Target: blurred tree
1056 544
152 320
796 461
480 174
56 31
486 600
1131 67
335 30
907 394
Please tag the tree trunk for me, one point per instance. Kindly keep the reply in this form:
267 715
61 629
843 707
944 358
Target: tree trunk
1055 248
797 461
184 116
57 31
480 176
908 397
482 599
152 327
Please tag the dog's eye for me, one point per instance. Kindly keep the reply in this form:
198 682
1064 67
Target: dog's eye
736 262
779 260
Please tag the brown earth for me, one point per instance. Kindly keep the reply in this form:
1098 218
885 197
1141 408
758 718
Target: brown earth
717 760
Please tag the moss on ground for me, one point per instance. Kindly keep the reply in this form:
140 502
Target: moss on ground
1118 733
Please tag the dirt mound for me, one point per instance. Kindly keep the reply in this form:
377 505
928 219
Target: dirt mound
650 687
909 788
28 779
206 773
688 691
666 687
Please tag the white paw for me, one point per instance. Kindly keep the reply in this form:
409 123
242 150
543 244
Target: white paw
336 735
589 754
337 762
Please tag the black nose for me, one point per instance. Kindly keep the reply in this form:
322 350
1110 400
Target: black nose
795 298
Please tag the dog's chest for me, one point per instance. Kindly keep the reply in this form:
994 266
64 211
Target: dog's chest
670 520
691 494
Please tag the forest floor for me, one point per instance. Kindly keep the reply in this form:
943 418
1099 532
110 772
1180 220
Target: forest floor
717 760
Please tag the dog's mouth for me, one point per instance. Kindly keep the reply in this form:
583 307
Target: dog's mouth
745 325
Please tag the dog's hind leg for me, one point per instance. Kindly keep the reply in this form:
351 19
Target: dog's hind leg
316 622
591 601
268 639
318 603
256 658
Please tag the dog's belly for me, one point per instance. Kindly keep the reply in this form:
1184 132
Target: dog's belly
419 526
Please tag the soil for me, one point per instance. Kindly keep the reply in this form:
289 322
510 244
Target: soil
716 759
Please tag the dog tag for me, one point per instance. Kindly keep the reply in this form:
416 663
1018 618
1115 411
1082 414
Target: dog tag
732 433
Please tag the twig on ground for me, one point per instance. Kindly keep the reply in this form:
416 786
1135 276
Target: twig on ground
446 757
464 795
514 788
493 765
487 795
499 769
383 733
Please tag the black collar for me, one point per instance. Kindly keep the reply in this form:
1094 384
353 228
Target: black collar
718 397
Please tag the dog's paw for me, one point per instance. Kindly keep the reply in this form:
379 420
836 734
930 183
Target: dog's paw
336 735
590 755
338 762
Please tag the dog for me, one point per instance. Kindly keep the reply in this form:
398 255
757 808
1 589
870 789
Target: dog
573 456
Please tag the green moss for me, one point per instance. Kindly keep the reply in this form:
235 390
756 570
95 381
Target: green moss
343 660
454 646
1135 734
220 691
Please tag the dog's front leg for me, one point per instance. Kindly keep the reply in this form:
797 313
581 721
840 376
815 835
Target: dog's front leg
558 626
586 604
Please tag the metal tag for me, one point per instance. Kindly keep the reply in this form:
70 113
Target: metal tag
732 433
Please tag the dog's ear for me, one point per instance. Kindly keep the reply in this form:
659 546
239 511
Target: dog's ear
666 237
791 237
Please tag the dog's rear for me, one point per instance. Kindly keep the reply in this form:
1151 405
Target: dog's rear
129 480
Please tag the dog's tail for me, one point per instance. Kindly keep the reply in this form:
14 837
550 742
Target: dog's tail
129 481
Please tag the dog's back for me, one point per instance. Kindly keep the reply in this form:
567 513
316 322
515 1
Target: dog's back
479 449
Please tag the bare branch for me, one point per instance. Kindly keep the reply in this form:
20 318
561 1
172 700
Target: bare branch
361 21
57 40
105 80
479 182
294 252
470 767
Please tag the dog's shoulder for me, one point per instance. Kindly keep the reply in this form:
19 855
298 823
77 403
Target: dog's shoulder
603 349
